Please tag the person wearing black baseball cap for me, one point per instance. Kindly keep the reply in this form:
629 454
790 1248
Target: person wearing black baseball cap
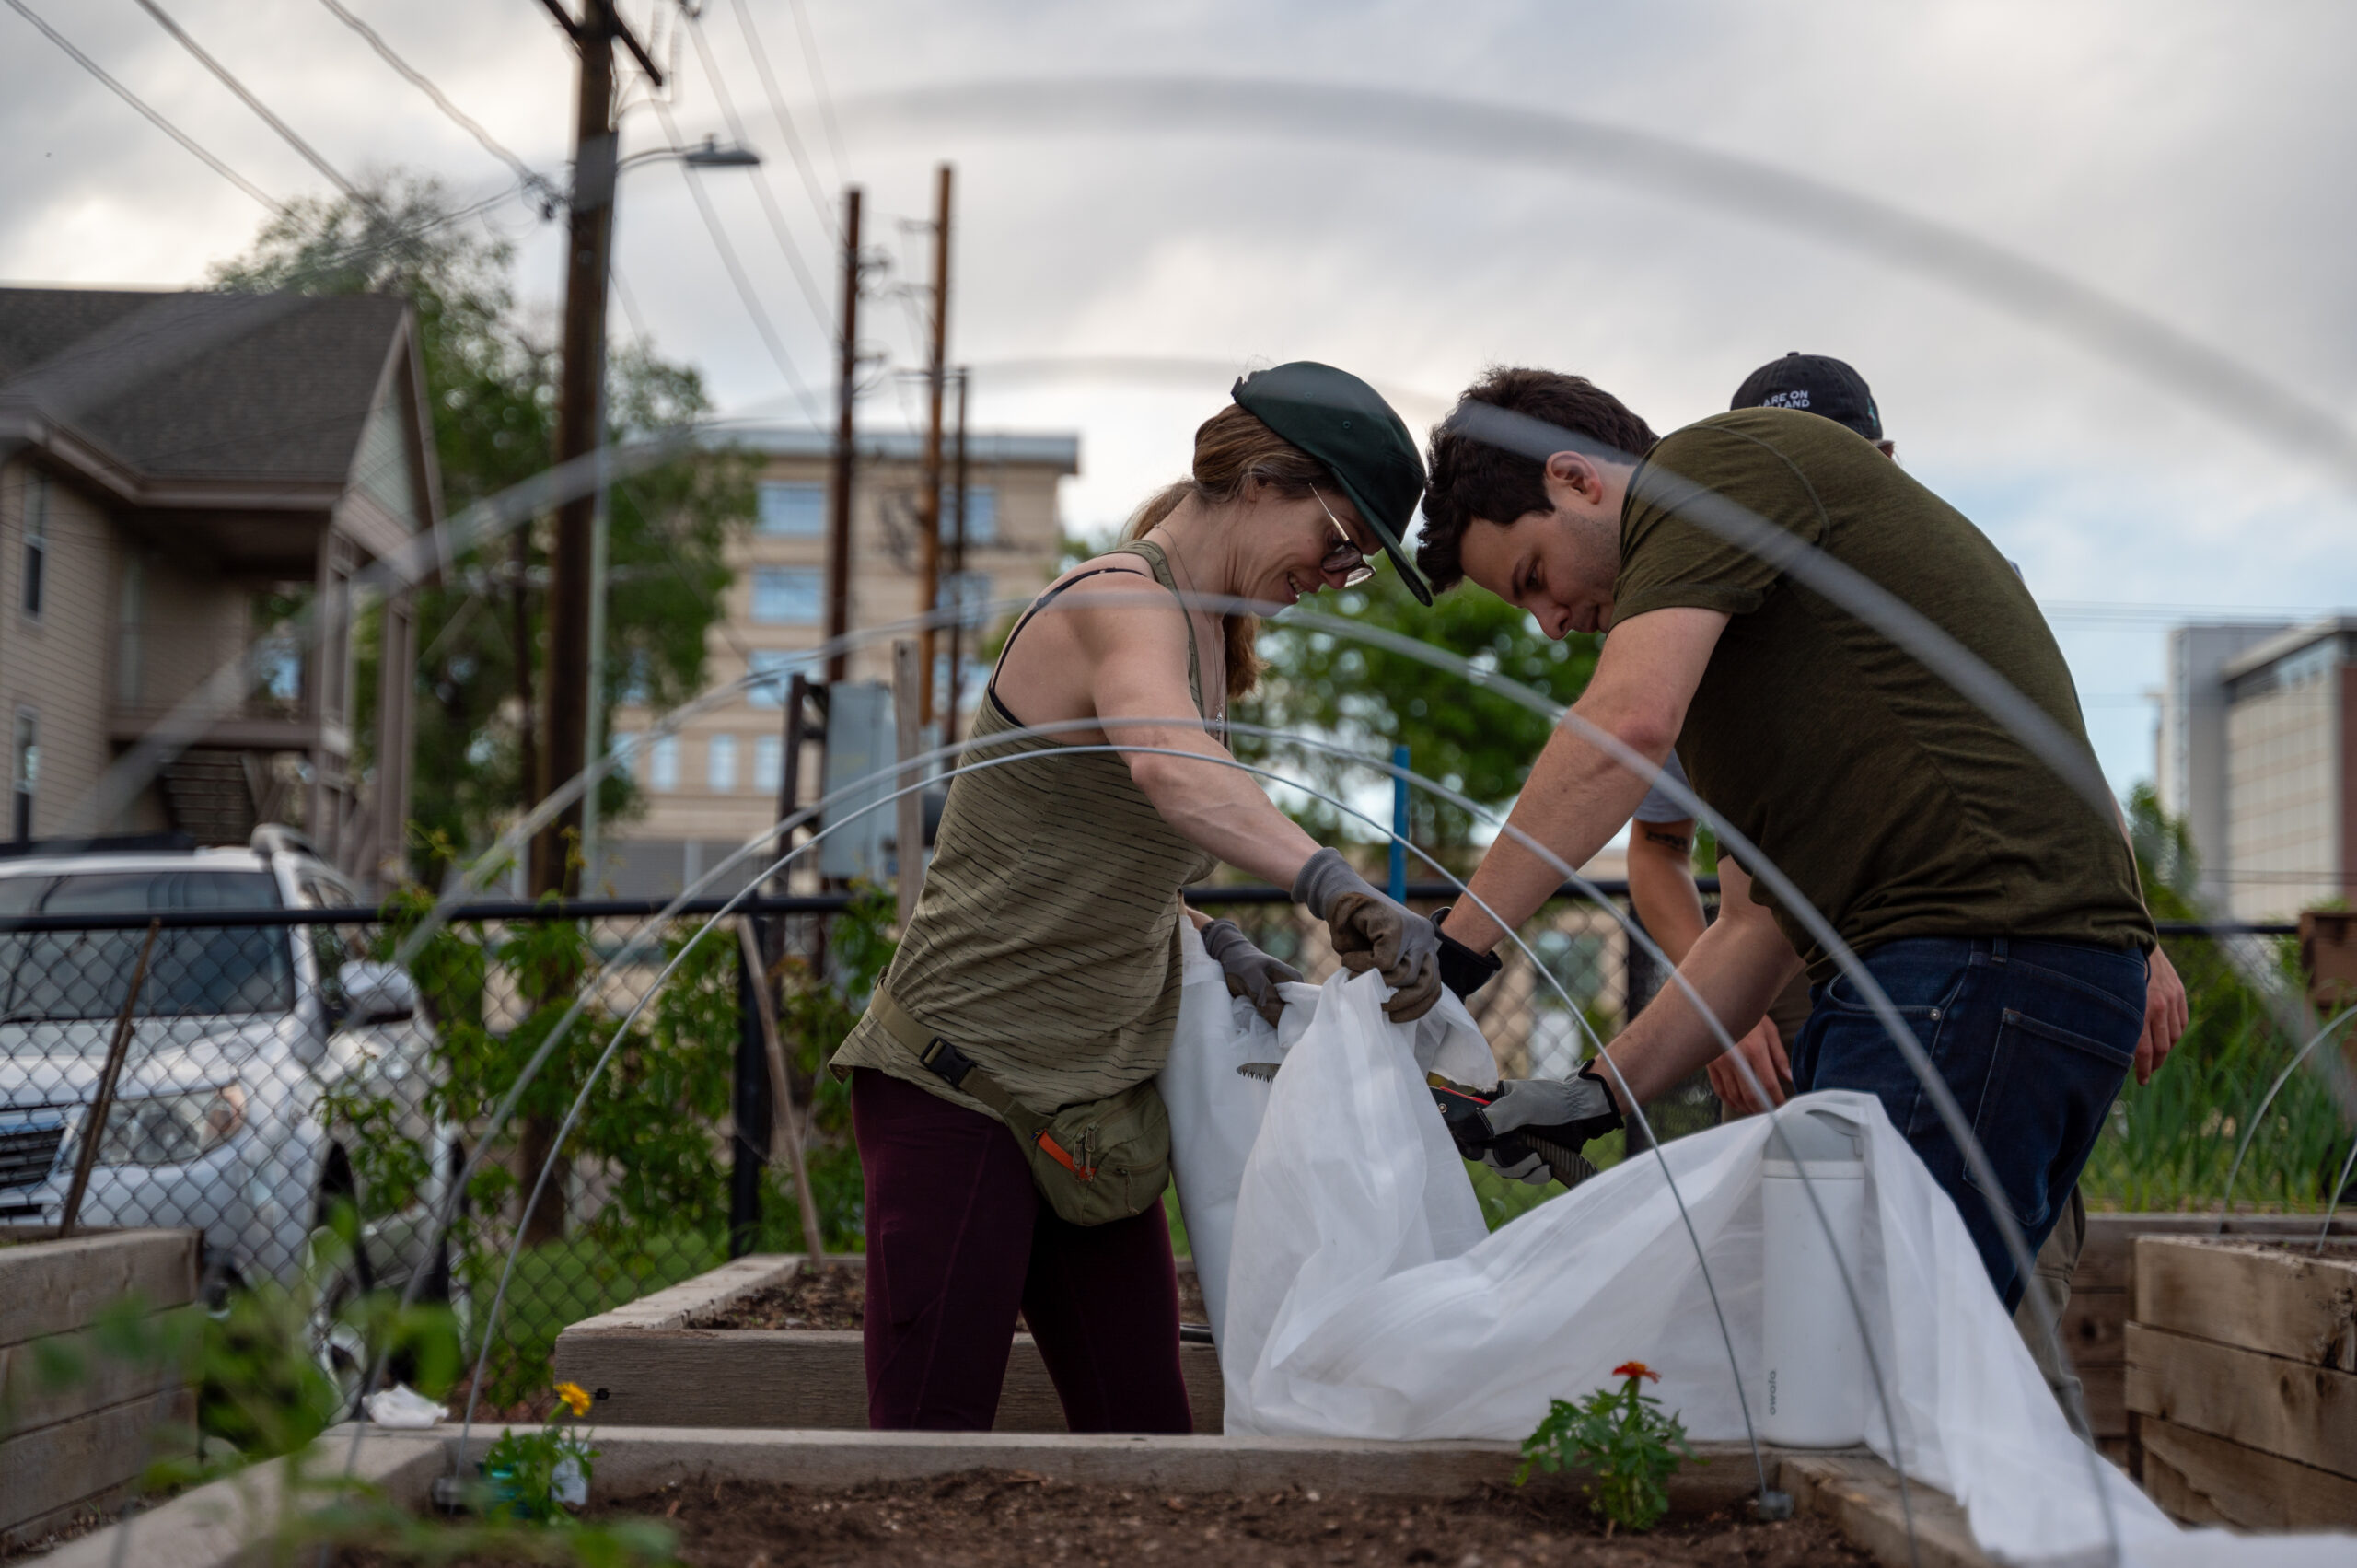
1036 982
2001 915
1817 384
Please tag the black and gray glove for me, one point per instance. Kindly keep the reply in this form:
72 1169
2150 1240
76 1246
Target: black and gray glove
1462 970
1370 932
1565 1112
1252 973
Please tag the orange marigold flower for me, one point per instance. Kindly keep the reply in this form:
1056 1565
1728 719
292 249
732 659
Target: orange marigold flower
1635 1369
575 1397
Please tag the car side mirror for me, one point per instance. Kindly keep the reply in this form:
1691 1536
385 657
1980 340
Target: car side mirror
376 993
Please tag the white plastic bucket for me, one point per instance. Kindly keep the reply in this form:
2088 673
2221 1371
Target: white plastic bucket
1816 1354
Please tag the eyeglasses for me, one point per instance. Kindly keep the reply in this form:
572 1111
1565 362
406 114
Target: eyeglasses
1344 555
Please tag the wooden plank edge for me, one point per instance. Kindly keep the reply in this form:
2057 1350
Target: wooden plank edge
1858 1494
2227 1391
672 1307
2269 1494
217 1525
56 1287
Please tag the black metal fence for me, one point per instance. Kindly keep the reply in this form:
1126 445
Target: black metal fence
307 1086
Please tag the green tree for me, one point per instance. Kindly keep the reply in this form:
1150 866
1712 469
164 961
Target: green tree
492 392
2170 1144
1371 698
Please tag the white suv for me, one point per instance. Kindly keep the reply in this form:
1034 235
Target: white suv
239 1034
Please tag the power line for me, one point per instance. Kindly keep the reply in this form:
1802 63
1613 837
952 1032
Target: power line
533 180
745 290
154 118
761 177
230 81
818 83
785 121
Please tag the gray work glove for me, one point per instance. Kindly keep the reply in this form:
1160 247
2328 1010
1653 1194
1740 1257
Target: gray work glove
1566 1112
1370 932
1252 973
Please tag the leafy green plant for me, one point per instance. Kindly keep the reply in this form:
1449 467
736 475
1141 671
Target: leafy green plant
2169 1143
540 1476
1629 1447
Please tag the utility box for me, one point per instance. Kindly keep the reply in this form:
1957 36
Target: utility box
860 758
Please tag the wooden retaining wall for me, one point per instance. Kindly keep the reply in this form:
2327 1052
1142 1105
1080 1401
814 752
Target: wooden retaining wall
646 1365
2241 1381
2094 1327
82 1445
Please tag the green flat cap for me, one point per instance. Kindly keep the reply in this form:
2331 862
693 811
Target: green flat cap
1344 423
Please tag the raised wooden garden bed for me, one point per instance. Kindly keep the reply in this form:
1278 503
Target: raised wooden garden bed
2094 1327
659 1362
2242 1381
1213 1481
81 1447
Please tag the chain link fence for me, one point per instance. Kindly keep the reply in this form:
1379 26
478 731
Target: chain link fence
273 1077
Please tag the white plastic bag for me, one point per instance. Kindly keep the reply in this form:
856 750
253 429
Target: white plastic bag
1365 1299
1216 1111
402 1406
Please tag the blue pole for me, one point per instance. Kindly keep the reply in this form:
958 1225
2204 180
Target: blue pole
1399 825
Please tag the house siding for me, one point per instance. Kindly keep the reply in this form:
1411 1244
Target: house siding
56 665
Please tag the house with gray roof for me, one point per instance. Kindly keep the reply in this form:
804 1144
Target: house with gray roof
206 500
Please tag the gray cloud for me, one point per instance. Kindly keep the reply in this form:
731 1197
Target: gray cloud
2179 157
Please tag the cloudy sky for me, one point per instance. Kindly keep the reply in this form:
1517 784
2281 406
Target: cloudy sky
1412 190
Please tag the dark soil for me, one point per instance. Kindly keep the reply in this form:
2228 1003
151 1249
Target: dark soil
1016 1519
831 1296
828 1296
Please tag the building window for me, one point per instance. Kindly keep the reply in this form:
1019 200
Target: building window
982 515
787 595
791 511
36 541
26 773
663 763
771 693
720 764
968 593
767 749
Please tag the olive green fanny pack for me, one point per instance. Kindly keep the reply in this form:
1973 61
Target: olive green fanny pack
1095 1162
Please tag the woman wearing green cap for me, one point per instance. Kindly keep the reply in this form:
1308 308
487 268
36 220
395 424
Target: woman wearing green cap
1002 1091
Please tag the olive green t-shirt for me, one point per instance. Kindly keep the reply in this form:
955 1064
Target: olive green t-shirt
1894 803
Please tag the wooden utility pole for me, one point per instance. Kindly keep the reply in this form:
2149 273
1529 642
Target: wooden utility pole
957 565
846 457
581 411
929 498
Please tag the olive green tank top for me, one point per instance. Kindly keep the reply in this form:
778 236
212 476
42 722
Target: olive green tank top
1045 942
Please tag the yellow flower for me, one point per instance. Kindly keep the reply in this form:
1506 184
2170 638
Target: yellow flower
575 1397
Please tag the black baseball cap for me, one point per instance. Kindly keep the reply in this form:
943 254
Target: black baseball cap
1344 423
1818 383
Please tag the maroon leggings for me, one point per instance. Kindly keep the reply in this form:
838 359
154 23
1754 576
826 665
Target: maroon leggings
958 1238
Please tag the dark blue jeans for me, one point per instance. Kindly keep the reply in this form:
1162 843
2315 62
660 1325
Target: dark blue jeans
2033 1039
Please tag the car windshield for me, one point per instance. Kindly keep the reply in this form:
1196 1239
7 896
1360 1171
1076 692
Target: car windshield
58 976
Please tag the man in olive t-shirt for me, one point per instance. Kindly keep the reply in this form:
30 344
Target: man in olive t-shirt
1996 909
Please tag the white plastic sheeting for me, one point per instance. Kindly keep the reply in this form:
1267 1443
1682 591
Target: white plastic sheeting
1355 1291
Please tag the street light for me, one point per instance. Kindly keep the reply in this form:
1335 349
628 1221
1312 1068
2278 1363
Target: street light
710 154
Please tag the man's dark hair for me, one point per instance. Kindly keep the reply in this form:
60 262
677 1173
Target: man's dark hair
1474 479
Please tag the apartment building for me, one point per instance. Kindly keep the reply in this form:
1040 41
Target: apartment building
2258 755
194 489
715 782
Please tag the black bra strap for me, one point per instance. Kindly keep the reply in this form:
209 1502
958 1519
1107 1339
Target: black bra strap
1037 605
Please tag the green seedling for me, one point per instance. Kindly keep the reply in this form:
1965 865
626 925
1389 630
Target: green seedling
1624 1442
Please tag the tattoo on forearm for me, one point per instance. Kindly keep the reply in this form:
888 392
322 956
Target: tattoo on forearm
1678 842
